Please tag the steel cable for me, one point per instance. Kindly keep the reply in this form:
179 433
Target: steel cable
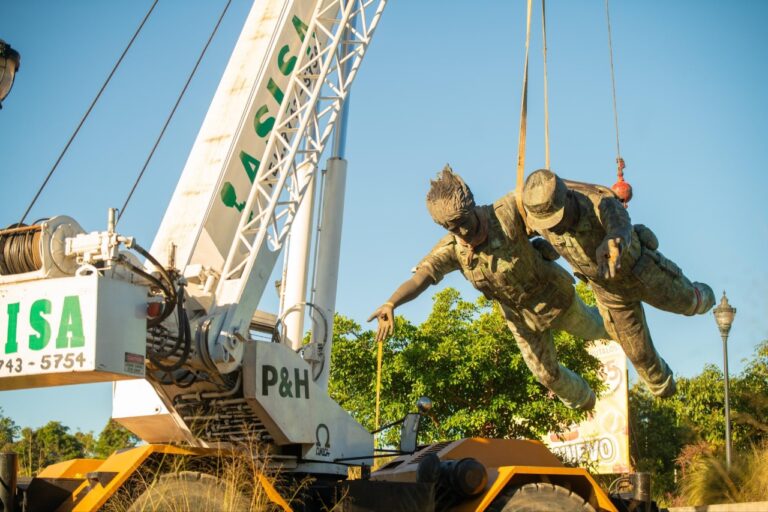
87 113
613 81
20 250
173 111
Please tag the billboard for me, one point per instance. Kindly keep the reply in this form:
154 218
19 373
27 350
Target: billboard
601 442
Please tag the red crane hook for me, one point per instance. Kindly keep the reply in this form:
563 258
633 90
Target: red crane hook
622 189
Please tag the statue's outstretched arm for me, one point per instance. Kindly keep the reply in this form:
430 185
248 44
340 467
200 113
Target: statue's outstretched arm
409 290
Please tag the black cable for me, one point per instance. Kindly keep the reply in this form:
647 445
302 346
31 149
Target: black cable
26 251
173 111
163 367
388 453
3 265
93 103
185 337
9 249
388 425
135 246
184 380
18 254
162 352
202 345
170 297
146 275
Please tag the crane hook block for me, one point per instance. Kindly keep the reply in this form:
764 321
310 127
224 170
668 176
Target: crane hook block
621 188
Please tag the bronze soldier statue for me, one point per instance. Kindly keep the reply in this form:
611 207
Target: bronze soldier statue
489 245
592 230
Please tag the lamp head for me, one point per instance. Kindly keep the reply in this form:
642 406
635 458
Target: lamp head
724 315
9 65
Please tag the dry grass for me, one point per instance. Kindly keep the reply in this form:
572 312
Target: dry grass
230 481
707 481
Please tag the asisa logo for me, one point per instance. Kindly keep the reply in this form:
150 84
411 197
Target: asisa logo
263 118
36 319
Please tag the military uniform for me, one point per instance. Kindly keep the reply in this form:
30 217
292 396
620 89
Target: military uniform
645 275
535 295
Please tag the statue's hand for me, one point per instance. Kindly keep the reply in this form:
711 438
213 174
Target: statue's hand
608 255
386 316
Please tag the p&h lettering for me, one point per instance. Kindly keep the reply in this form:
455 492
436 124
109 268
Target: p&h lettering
298 387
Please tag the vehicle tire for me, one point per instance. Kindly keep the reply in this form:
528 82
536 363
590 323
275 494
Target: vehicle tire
539 497
189 491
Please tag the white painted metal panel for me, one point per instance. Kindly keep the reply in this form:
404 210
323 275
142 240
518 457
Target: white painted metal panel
204 212
278 385
136 406
71 330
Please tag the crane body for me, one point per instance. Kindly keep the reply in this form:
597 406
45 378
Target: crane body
179 333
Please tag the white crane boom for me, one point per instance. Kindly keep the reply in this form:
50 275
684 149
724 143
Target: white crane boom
251 167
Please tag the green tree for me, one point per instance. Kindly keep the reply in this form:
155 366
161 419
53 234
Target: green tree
688 429
88 441
27 449
463 357
700 403
47 445
114 437
656 439
750 393
8 431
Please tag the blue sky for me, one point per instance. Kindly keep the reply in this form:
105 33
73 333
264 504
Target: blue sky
441 83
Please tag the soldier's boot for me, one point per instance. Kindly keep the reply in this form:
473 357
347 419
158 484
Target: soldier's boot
658 378
705 299
572 390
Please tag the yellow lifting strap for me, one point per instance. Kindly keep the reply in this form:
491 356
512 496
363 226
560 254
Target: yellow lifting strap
523 124
379 358
524 109
546 99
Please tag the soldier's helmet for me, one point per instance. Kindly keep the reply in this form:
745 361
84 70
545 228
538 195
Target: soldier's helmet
544 197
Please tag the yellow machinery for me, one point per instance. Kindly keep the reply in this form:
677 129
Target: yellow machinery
462 476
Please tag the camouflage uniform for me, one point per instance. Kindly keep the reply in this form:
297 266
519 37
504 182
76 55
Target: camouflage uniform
535 295
645 275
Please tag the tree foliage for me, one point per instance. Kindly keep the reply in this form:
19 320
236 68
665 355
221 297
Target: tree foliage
8 431
88 441
53 442
656 438
49 444
682 431
700 403
750 390
114 437
463 357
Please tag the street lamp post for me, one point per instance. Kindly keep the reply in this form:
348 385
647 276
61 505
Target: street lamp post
724 314
9 65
